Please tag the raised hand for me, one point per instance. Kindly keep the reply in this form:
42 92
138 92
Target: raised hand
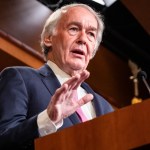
62 103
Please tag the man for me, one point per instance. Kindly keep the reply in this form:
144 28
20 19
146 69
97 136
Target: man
34 103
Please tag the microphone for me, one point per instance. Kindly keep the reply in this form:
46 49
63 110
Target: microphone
142 74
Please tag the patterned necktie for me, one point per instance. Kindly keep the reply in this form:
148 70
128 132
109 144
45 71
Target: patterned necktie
79 110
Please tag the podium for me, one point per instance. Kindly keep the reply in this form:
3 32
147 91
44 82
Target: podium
124 129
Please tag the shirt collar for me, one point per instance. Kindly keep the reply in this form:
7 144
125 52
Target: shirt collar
61 75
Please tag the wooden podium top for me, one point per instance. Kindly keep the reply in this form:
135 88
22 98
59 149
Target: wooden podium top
126 128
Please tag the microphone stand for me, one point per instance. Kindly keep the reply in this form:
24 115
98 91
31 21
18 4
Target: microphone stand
146 84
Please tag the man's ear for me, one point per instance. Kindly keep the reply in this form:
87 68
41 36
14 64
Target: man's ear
48 41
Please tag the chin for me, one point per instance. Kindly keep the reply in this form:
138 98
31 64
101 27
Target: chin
76 64
78 67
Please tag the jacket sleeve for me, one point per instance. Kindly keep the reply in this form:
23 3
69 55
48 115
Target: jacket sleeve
15 127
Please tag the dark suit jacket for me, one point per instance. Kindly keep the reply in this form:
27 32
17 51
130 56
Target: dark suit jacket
24 93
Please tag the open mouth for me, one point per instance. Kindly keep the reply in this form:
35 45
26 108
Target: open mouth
78 51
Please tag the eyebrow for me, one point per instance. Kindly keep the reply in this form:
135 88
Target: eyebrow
80 25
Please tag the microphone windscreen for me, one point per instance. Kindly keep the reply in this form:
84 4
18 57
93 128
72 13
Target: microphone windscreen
142 74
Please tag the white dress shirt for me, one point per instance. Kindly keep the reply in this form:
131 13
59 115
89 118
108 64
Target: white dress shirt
45 125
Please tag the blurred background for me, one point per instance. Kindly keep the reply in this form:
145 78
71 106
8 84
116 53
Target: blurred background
123 53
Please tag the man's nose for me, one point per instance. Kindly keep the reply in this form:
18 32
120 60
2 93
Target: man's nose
82 38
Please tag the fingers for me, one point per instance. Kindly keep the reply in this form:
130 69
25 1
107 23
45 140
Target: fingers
87 98
76 80
72 81
72 84
83 76
59 102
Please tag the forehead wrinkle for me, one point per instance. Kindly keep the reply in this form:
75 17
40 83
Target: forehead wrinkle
67 20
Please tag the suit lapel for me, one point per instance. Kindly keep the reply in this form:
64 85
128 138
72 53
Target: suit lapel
49 79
